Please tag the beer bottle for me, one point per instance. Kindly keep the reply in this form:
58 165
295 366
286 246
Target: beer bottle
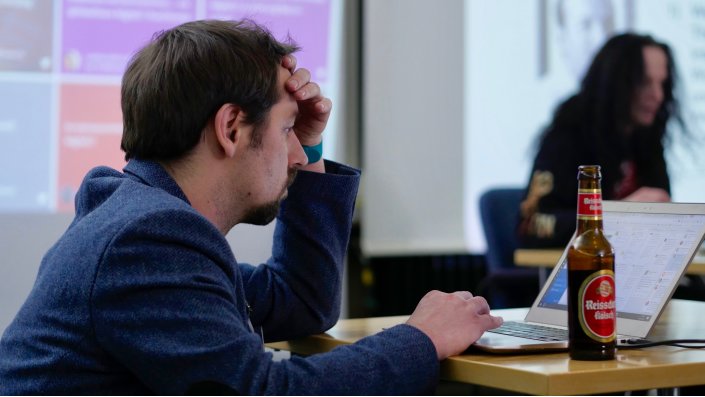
592 313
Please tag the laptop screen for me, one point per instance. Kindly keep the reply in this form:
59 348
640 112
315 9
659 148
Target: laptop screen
651 253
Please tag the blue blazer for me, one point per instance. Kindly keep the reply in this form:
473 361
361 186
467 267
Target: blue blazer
143 295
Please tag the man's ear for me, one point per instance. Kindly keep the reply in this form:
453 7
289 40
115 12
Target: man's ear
228 125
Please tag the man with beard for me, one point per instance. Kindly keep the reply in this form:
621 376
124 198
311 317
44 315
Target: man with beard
142 293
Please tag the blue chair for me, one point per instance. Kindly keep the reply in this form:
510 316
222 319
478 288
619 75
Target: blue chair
505 285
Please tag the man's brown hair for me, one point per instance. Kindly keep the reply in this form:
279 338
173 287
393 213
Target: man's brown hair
175 84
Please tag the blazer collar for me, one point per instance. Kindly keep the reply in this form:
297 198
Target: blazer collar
153 174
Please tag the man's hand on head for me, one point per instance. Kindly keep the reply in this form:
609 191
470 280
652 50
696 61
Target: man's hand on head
314 108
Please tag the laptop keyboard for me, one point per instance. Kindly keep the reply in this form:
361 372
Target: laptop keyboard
531 331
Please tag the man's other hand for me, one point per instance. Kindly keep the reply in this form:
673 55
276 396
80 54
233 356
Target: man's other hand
453 321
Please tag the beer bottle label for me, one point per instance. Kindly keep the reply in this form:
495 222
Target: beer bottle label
598 311
589 204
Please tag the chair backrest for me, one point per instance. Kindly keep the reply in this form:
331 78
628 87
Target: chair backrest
499 210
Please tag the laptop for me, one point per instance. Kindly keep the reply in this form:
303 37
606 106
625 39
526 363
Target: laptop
653 244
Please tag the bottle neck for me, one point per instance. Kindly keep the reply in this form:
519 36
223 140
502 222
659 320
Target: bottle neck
584 225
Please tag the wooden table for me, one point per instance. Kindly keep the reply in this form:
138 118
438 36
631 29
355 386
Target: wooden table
660 367
547 258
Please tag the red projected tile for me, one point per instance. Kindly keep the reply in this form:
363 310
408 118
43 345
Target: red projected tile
90 128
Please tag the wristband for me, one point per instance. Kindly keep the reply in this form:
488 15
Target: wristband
314 153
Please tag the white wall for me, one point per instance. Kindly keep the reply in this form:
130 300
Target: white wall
412 194
25 238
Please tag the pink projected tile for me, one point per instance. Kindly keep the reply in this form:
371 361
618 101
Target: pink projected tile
100 36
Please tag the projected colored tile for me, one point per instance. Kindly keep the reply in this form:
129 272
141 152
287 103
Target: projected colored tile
306 21
100 36
26 144
90 128
25 35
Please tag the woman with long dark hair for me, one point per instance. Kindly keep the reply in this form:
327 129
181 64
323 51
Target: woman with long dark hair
618 120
